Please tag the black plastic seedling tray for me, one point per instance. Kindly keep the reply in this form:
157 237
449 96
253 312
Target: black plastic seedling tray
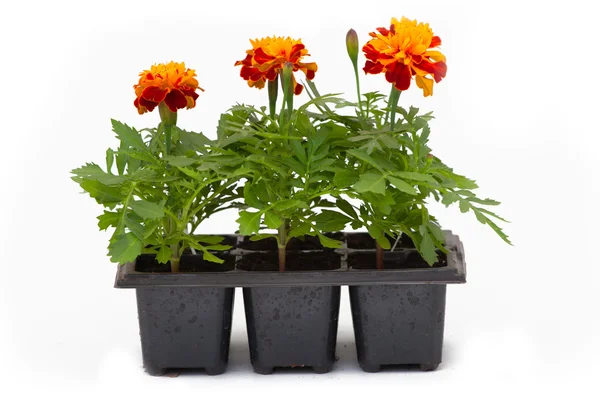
396 269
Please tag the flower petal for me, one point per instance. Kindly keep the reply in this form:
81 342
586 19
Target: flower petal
426 84
154 94
175 100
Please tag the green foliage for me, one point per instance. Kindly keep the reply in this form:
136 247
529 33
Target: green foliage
155 201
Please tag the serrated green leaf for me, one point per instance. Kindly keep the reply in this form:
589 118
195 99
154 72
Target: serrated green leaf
415 176
164 255
300 230
298 149
147 210
272 220
103 194
128 136
428 249
208 239
135 227
449 198
345 178
108 219
179 161
331 221
262 236
289 203
363 156
249 222
328 242
250 197
124 248
346 207
212 258
487 202
370 182
464 206
402 185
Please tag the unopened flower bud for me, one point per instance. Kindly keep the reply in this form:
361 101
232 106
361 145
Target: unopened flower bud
352 46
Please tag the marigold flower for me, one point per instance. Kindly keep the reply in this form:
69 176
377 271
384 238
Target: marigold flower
403 51
266 59
172 83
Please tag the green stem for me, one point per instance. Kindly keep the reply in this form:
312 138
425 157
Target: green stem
394 97
273 87
168 129
281 245
358 94
378 255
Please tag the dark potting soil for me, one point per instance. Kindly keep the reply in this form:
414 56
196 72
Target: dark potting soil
404 255
295 244
189 263
295 261
398 259
364 241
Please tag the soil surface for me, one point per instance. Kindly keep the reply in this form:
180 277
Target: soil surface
364 241
189 263
398 259
295 244
295 261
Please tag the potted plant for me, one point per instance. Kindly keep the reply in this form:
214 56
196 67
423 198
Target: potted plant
394 175
156 192
288 156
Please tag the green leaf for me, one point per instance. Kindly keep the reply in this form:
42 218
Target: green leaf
345 178
249 222
464 206
262 236
129 137
272 220
135 227
415 176
346 207
449 198
164 254
106 195
180 161
147 210
108 219
370 182
328 242
363 156
250 196
428 249
298 149
289 203
302 229
487 202
331 221
124 248
402 185
377 233
208 239
212 258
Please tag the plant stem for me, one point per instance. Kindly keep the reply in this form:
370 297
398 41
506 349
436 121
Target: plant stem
359 96
378 255
273 89
394 97
281 245
168 138
175 259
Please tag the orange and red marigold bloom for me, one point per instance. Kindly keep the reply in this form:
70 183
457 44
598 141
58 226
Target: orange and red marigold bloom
404 51
267 56
172 83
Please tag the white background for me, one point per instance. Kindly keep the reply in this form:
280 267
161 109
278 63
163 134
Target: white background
517 112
